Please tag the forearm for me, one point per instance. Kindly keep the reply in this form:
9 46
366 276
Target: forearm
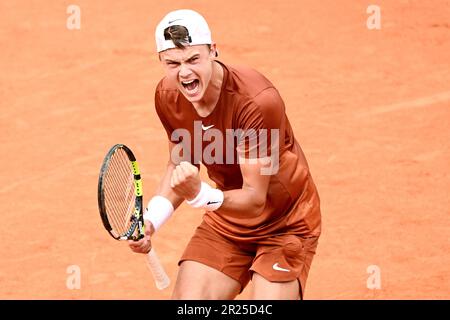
164 202
239 202
165 190
249 201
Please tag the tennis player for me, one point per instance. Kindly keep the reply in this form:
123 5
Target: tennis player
262 218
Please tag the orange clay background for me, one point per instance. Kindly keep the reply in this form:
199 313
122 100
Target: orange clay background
370 108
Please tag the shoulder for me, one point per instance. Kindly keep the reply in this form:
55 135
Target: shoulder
166 94
246 81
165 88
256 95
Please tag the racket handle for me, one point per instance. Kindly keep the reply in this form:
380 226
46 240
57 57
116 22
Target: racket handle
162 281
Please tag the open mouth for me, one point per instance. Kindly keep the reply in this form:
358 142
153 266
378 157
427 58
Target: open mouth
191 86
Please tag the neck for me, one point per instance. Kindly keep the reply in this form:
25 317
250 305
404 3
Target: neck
208 103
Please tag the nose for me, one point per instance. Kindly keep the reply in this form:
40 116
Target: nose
185 72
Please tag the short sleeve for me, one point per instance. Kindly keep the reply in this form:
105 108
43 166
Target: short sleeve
259 125
162 114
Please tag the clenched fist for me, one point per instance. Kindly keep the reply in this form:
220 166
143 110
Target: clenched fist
185 180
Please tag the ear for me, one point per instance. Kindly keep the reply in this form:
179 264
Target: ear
213 51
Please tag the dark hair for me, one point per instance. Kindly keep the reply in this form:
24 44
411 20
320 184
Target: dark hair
179 35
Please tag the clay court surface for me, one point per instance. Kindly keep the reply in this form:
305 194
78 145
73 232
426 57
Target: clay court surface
370 108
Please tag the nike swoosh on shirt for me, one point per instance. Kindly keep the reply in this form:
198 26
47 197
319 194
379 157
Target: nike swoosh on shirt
278 268
208 127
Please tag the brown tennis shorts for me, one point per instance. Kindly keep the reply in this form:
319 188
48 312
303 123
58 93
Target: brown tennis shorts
278 258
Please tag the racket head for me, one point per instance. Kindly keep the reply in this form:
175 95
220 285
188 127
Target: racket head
120 194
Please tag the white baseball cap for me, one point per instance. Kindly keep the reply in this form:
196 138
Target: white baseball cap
196 25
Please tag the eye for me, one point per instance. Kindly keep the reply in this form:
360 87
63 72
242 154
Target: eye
193 59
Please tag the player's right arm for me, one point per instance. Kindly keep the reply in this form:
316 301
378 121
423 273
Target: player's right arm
164 190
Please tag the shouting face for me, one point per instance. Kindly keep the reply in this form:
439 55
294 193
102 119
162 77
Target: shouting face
190 69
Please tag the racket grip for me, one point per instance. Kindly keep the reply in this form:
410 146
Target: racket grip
162 280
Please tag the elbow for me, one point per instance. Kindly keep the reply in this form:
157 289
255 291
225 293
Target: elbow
255 200
258 205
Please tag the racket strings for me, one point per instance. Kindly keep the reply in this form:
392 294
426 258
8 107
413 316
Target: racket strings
113 200
119 192
118 206
113 207
127 202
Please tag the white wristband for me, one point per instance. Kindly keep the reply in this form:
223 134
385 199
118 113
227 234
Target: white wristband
158 211
208 198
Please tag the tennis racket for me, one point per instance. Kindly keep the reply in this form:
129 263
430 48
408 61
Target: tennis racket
120 204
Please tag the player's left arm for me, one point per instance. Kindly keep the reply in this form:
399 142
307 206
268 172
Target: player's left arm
250 199
265 113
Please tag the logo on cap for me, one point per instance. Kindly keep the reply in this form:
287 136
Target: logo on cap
170 22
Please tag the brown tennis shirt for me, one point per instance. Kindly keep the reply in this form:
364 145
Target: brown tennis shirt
248 121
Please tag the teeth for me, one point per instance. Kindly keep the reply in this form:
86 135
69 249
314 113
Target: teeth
188 82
